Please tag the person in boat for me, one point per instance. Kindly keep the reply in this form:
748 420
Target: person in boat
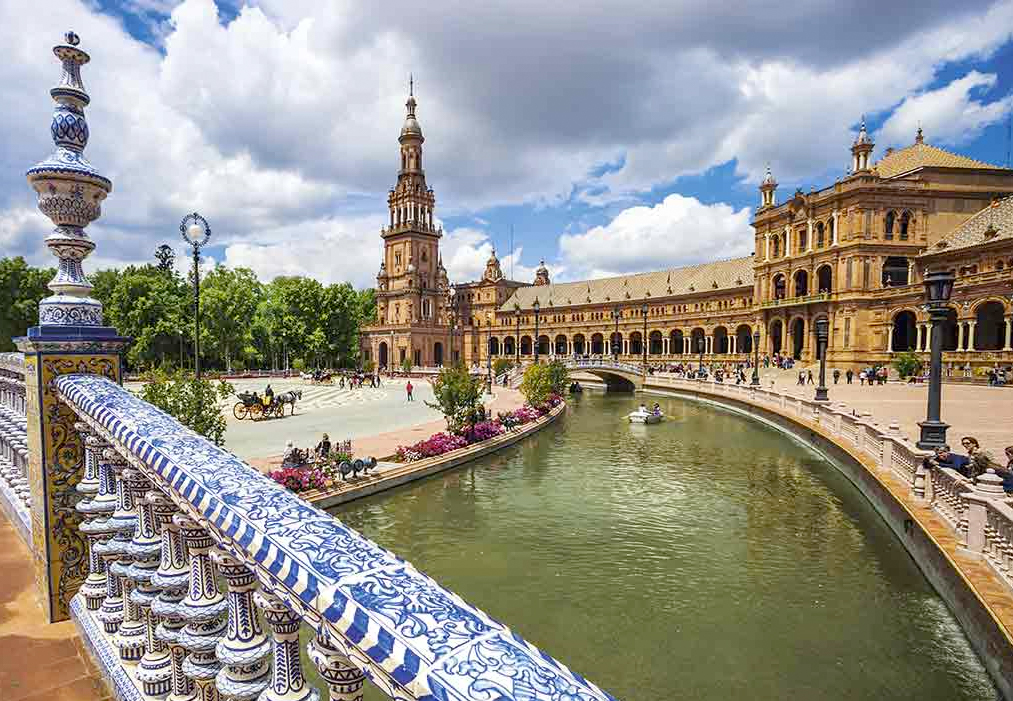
643 409
657 409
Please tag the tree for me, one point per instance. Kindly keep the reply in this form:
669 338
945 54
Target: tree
907 364
22 287
148 306
406 364
194 403
229 299
536 386
500 366
457 396
559 376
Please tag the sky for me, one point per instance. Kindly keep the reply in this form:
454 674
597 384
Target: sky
609 137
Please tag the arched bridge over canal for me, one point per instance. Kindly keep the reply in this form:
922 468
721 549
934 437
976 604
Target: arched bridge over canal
617 376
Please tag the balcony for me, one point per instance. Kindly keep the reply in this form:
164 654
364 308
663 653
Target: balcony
796 301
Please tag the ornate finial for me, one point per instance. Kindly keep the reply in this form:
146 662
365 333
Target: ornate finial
411 85
70 193
919 138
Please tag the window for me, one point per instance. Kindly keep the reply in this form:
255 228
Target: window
820 234
905 225
847 332
803 241
891 216
777 246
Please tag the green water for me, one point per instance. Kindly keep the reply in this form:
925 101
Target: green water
708 557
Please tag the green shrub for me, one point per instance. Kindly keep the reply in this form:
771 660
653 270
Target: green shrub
501 365
559 376
537 385
907 364
406 364
194 403
457 396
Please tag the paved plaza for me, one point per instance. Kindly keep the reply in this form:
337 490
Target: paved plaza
375 420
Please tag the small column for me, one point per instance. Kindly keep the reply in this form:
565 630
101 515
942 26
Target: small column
344 680
154 667
987 488
203 610
960 336
287 681
96 511
731 344
132 633
172 576
245 650
121 523
1009 335
889 339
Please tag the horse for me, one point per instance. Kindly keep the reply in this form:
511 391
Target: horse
289 397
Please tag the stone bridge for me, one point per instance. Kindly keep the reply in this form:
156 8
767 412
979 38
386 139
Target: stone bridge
618 376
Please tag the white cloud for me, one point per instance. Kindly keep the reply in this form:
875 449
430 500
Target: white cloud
466 250
676 231
952 114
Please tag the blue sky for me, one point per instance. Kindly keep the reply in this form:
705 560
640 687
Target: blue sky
627 136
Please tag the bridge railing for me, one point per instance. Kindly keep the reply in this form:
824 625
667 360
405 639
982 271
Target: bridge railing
15 493
977 511
604 363
166 512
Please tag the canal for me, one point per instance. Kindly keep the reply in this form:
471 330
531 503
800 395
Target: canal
708 557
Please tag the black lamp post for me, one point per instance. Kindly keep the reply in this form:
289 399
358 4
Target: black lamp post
822 334
616 315
756 359
700 346
938 288
536 306
196 232
643 339
517 339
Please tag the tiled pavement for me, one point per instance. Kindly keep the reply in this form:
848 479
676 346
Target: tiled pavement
38 661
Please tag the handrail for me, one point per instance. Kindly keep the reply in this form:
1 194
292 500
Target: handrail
413 638
607 364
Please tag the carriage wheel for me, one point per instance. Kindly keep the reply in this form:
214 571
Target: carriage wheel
256 412
240 411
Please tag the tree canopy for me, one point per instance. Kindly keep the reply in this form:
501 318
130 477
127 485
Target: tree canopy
244 322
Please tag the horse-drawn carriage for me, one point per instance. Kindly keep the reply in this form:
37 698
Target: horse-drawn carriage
252 406
318 377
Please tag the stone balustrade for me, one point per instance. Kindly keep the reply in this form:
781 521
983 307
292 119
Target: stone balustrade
979 512
187 543
15 492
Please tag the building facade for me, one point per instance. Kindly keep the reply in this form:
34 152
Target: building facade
855 252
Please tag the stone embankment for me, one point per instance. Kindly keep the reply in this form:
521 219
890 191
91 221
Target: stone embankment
389 474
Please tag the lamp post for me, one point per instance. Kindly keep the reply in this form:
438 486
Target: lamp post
822 334
700 346
488 353
452 303
938 288
517 338
616 315
196 232
536 306
643 339
756 359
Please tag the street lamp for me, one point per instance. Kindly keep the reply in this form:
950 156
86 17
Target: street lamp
517 338
536 306
938 288
616 316
452 303
643 339
700 346
756 359
822 334
196 232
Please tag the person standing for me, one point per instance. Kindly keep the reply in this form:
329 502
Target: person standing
850 374
837 375
408 389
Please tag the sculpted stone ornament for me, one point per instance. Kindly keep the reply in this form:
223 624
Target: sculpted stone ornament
70 193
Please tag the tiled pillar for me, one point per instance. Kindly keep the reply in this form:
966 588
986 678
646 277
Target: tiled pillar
344 680
287 681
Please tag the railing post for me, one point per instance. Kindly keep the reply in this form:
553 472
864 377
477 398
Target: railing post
120 523
987 488
147 547
131 634
172 576
344 680
287 680
203 609
95 508
245 650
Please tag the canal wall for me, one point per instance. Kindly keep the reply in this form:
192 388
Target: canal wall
981 602
420 469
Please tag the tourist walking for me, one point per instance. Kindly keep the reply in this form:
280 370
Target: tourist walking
850 374
861 378
837 376
809 378
408 389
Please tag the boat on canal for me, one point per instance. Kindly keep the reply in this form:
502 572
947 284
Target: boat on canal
645 416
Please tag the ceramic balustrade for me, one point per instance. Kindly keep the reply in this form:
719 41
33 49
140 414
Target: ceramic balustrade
949 491
14 486
999 539
163 621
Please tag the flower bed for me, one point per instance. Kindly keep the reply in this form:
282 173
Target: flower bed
442 443
322 475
